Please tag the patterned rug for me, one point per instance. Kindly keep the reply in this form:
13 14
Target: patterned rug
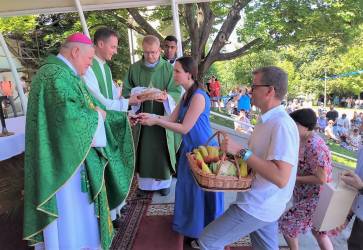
131 214
167 209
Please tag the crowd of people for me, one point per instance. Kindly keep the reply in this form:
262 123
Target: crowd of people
82 154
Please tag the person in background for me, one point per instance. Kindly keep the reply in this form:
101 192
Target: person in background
332 114
24 84
244 100
356 120
274 161
322 123
244 126
170 48
354 140
355 180
194 208
156 146
214 91
6 89
329 132
314 169
344 122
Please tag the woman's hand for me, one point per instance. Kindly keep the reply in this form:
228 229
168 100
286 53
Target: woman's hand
147 119
134 119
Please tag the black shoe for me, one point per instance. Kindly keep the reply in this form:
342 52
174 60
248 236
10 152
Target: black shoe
116 224
164 191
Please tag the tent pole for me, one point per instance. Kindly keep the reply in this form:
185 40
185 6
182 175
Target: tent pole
175 9
19 87
131 45
83 19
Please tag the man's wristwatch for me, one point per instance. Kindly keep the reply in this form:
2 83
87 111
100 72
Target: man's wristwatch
360 191
244 153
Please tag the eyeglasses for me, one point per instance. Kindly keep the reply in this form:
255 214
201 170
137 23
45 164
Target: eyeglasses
253 86
152 53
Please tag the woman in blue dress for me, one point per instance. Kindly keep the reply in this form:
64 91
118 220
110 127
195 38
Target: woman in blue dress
194 208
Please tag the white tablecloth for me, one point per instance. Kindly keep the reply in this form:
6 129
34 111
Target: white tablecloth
15 144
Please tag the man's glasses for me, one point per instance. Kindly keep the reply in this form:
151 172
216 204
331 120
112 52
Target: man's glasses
254 86
152 53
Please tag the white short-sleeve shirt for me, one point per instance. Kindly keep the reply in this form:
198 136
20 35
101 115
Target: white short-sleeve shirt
276 137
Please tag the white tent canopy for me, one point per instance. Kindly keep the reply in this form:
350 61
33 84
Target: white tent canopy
34 7
23 7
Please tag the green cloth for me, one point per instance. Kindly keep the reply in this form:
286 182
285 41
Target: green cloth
105 87
156 146
60 126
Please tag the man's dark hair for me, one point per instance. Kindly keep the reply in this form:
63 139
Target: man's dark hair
171 39
102 34
305 117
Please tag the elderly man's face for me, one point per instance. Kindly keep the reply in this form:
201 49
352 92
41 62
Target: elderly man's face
151 52
82 58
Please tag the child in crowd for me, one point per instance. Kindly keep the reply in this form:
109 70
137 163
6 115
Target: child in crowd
322 123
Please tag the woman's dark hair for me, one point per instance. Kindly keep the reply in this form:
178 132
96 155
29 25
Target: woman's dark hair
189 65
305 117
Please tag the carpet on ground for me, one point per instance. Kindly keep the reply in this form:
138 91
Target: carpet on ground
131 215
11 204
155 232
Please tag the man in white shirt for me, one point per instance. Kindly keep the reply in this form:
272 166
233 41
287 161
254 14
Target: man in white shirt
273 156
344 122
98 77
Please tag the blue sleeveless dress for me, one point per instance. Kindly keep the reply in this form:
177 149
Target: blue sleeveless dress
194 208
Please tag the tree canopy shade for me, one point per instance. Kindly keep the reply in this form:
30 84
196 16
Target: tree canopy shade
267 24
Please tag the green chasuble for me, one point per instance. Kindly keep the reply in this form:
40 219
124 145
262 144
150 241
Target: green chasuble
105 87
60 125
156 146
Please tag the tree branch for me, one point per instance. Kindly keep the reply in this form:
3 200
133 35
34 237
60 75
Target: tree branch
206 27
192 29
228 26
144 24
238 52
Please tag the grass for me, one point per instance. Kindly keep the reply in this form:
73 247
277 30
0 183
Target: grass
334 147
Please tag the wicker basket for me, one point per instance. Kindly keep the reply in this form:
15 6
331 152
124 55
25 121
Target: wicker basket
216 182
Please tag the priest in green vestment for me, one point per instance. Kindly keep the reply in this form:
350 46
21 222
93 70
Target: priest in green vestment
98 77
156 146
79 159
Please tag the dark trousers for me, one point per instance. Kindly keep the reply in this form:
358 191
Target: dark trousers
355 241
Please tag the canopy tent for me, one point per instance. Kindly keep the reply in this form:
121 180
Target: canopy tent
34 7
21 7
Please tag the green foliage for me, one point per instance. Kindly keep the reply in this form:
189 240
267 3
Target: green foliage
45 33
22 24
300 22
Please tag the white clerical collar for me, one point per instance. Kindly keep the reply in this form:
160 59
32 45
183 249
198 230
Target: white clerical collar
99 60
69 64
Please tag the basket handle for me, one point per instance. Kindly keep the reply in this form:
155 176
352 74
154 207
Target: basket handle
218 134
